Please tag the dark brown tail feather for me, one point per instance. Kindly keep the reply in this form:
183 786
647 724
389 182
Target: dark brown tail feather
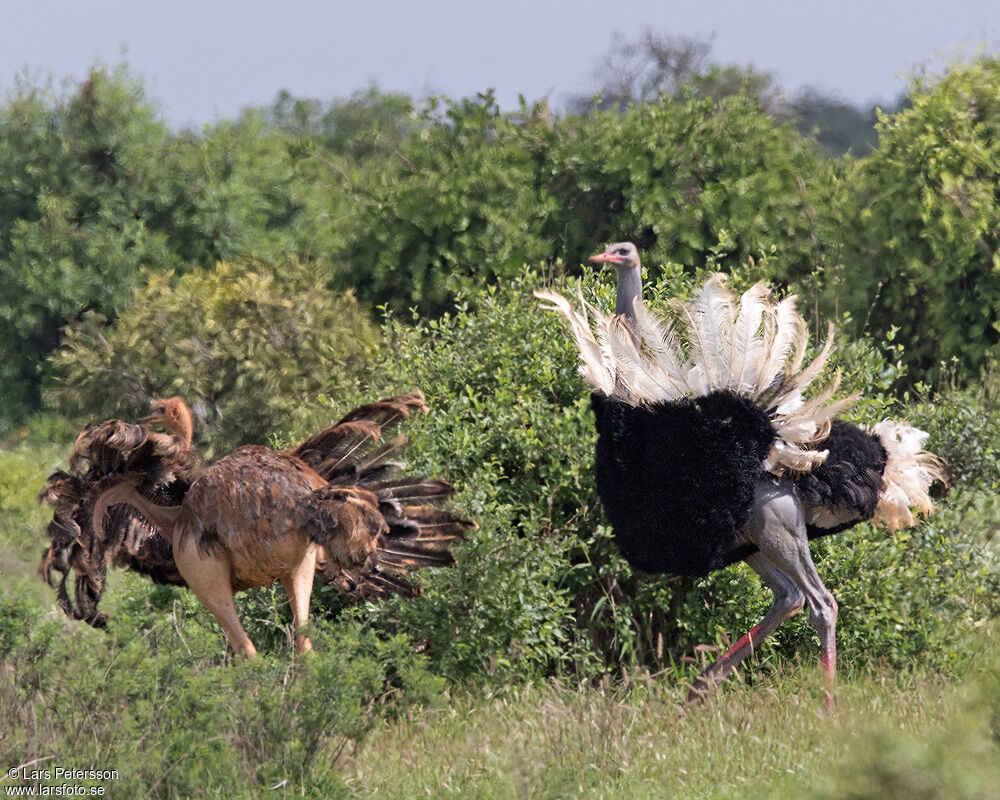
408 488
412 537
108 451
391 410
372 585
417 536
418 532
352 445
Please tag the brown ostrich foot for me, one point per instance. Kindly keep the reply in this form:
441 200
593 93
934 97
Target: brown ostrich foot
303 645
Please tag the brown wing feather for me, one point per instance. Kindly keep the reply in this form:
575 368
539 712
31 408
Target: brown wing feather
354 455
103 451
412 536
389 411
351 445
346 521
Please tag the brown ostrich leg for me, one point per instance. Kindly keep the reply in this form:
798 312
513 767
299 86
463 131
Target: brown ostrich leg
211 581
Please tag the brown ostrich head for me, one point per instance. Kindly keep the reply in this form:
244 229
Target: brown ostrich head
174 415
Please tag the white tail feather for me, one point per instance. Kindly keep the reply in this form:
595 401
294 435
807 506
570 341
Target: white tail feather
789 326
711 319
796 383
909 472
657 335
747 341
594 368
785 456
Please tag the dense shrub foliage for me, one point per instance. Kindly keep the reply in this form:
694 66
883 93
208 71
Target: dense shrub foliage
688 180
462 205
213 725
541 588
96 187
247 346
77 173
923 238
414 207
964 425
478 194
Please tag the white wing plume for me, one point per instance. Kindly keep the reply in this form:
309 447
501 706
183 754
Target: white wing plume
596 369
753 346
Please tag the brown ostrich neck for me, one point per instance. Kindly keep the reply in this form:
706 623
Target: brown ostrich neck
183 426
163 518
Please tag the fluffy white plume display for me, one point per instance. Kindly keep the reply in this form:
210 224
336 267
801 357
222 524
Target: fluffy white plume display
753 346
909 472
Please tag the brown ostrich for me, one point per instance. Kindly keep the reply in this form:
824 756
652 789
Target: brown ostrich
258 516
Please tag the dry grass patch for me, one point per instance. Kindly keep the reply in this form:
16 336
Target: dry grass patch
554 741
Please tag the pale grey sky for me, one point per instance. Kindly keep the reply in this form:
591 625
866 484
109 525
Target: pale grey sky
203 59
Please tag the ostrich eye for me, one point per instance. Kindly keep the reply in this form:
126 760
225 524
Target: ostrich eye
623 251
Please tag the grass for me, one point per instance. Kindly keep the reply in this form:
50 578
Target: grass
772 739
23 470
364 718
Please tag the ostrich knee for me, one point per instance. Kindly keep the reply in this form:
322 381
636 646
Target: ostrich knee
791 602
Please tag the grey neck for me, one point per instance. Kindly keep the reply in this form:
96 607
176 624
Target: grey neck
629 289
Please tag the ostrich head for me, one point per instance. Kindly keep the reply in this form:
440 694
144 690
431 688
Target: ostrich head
173 414
621 255
625 259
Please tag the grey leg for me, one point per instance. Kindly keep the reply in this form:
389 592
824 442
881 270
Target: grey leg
777 527
788 601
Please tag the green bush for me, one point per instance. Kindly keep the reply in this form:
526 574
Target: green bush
923 236
964 425
232 729
477 194
22 520
690 181
541 589
510 428
246 345
369 122
97 187
78 171
243 190
463 205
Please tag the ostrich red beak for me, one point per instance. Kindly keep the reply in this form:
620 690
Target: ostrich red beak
607 257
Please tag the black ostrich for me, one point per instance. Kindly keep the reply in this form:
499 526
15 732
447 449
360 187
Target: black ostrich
707 453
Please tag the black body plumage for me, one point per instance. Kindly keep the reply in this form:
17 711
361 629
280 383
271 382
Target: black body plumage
677 479
849 479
